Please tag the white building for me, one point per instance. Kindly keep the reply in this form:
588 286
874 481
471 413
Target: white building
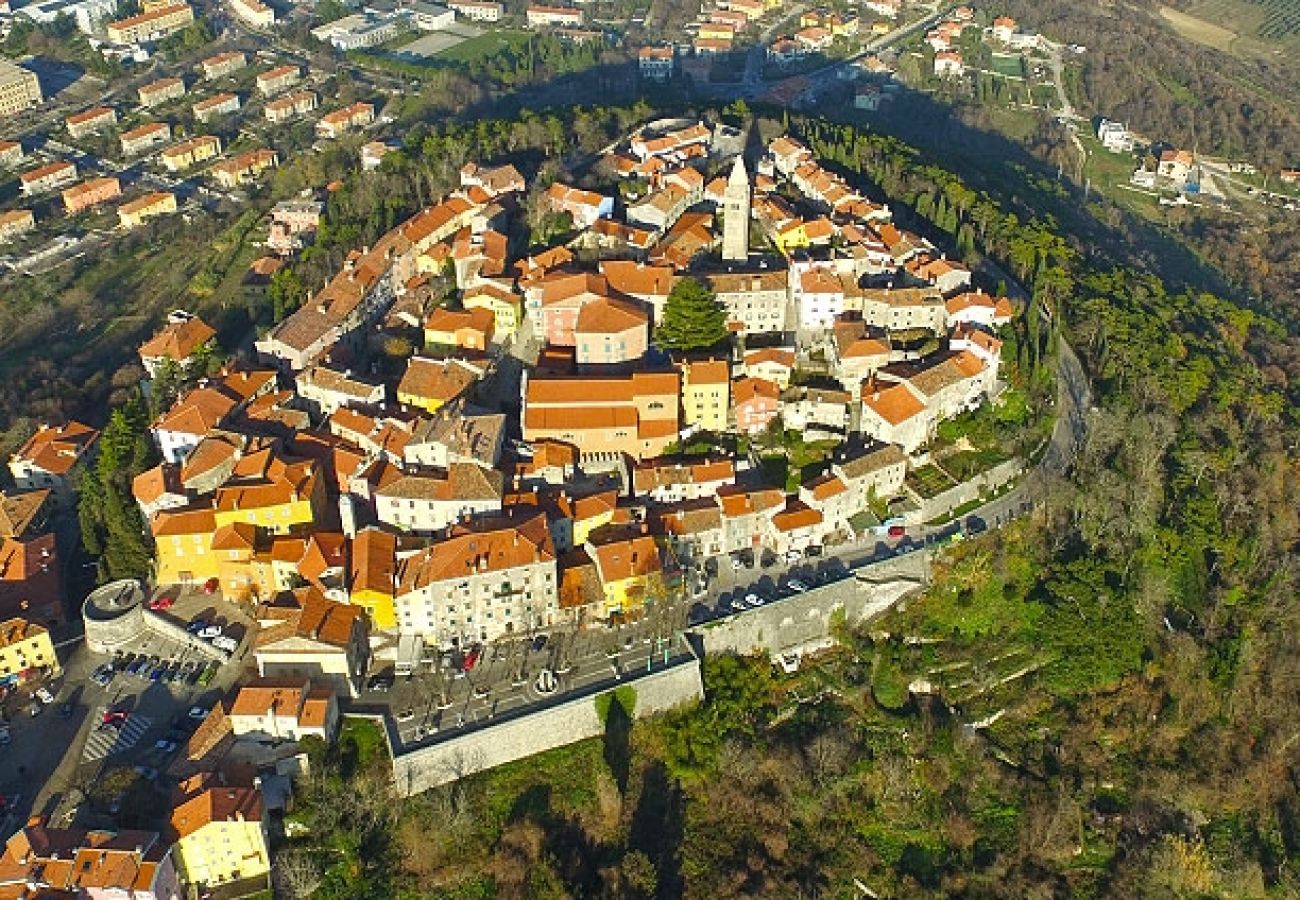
1115 136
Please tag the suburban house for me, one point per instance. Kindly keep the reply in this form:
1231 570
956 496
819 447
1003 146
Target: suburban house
90 121
223 64
91 192
156 93
245 167
135 213
216 106
281 78
584 206
340 121
541 16
47 178
50 457
184 335
151 26
15 223
655 63
191 152
281 109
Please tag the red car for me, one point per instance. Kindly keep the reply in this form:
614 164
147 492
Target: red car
471 658
897 531
115 716
210 586
159 603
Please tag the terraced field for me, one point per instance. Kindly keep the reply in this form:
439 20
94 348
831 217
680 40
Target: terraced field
1261 26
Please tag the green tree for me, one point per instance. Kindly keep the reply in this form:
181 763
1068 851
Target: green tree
693 319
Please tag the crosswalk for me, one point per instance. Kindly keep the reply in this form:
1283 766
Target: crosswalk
107 741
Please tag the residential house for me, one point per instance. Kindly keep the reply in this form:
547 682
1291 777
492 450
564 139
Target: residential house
279 79
47 178
39 861
184 336
819 294
646 284
281 109
747 515
872 473
26 651
481 582
151 26
219 835
245 167
89 193
816 411
50 459
179 157
90 121
159 489
216 106
656 63
1115 136
1176 165
555 300
309 636
273 492
430 502
855 356
584 206
756 302
15 223
1004 29
456 433
340 121
634 414
949 64
136 212
946 275
630 573
774 364
669 481
610 333
900 309
659 210
706 394
156 93
797 527
11 153
756 403
373 575
287 709
430 383
464 329
223 64
293 222
693 529
540 16
978 308
504 305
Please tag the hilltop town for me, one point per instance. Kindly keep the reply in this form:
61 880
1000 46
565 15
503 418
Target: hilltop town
579 435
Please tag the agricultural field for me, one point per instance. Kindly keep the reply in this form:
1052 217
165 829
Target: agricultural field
1249 26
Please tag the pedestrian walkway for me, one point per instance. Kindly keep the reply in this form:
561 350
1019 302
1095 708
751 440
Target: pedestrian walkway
107 740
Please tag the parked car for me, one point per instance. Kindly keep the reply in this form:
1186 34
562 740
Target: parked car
210 586
738 605
471 658
67 709
208 632
793 556
135 666
754 600
161 603
225 642
539 642
797 586
382 683
897 531
206 676
44 695
103 676
197 712
165 746
196 626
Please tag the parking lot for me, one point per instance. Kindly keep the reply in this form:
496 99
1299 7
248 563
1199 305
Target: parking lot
68 749
508 676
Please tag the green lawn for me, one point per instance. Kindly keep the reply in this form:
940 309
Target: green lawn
1008 64
485 45
929 481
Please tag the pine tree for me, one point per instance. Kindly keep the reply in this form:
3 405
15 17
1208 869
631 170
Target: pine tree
693 319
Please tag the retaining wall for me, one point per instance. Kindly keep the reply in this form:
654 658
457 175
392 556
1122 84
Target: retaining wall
507 740
943 504
802 621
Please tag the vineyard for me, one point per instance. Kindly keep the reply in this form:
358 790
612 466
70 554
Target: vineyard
1281 19
1262 20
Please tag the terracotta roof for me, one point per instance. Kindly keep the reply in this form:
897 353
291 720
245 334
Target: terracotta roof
740 501
190 520
597 390
745 390
637 279
826 486
179 339
796 514
659 473
18 511
433 379
461 481
894 403
777 355
691 517
486 546
315 617
711 371
593 505
218 804
374 555
16 631
606 316
264 479
621 560
452 320
56 449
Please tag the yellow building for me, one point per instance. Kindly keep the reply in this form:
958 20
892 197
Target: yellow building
629 572
183 546
25 647
150 26
429 384
591 512
374 564
220 836
706 394
268 492
188 153
159 203
504 305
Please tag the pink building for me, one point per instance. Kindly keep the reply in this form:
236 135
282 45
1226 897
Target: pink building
611 332
562 300
756 402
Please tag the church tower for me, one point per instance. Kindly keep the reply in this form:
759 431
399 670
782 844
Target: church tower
735 223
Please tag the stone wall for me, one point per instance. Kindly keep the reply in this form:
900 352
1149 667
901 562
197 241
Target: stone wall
943 504
506 740
802 622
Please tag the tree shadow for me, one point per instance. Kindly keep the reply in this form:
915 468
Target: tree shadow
617 743
658 825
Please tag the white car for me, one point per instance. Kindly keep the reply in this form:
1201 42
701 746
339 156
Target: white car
212 631
754 600
44 695
793 556
222 642
796 585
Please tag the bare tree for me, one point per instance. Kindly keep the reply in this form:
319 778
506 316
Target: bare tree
296 874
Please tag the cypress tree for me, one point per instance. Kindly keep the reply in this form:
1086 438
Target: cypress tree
693 319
